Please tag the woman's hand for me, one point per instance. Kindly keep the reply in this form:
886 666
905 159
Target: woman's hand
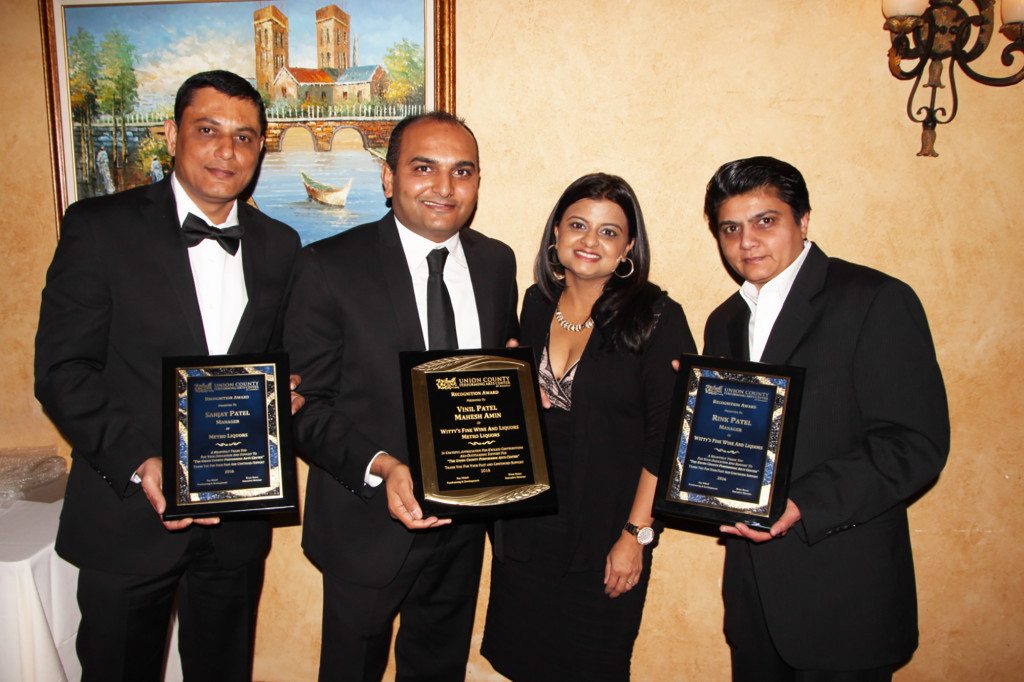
623 566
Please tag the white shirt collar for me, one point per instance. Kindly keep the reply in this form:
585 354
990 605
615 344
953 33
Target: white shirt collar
779 285
766 304
185 206
417 247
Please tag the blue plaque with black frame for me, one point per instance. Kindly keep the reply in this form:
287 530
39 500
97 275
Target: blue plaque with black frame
729 449
227 436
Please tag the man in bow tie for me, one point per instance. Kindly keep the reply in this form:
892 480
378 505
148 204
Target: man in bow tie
180 267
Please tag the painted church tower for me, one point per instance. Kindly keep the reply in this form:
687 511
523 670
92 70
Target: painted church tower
271 28
332 38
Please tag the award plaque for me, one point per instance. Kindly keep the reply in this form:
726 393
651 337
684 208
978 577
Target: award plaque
477 447
730 443
227 436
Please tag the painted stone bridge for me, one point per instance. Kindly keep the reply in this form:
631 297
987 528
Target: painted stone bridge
375 133
373 123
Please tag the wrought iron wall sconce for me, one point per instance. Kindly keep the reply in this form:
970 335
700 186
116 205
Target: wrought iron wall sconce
934 31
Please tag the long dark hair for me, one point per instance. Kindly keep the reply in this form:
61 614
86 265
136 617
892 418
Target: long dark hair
624 312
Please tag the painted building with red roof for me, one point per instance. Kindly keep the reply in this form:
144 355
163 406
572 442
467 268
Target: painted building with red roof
328 87
338 80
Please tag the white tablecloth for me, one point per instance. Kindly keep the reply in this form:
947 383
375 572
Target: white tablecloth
38 607
38 610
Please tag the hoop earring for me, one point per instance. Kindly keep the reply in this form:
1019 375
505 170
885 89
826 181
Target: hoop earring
631 268
554 263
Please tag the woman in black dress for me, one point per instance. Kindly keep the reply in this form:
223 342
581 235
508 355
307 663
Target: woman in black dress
567 590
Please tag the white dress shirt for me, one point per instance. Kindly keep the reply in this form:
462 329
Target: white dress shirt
456 279
766 303
218 277
460 286
460 290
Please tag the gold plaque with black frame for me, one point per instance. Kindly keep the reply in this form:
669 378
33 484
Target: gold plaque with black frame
477 447
227 436
729 449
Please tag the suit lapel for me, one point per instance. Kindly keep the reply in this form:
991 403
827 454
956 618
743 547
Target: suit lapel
398 280
254 257
798 313
483 289
738 330
169 245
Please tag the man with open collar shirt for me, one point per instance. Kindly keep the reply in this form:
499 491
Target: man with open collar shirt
828 593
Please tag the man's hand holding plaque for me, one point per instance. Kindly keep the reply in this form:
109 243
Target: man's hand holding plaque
402 502
778 529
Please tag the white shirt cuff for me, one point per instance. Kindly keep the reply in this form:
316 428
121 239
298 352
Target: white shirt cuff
372 480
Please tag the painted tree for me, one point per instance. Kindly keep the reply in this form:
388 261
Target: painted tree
118 91
406 73
83 74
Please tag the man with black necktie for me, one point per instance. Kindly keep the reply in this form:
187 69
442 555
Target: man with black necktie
417 278
180 267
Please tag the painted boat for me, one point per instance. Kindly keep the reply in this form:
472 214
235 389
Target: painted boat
326 194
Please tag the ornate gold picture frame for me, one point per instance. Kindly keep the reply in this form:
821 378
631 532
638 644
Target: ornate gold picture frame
78 173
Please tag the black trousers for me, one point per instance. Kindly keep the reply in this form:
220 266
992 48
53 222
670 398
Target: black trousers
434 596
125 619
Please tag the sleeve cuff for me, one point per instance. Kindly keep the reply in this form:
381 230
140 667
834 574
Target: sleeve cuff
372 480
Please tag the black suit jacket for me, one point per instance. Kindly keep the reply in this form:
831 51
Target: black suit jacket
620 408
119 297
838 591
352 312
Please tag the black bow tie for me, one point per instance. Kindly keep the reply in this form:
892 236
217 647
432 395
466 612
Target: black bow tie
196 230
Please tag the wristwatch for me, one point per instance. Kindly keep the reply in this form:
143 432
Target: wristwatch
644 536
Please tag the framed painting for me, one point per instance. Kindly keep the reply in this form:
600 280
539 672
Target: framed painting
336 78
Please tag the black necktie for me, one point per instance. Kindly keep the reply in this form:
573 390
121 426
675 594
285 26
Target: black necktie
196 230
440 314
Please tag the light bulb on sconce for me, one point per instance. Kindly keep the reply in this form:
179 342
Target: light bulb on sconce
933 32
1013 19
903 8
903 16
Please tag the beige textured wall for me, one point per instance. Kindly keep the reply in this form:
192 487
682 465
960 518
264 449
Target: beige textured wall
662 92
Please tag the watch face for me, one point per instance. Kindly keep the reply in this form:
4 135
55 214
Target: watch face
645 536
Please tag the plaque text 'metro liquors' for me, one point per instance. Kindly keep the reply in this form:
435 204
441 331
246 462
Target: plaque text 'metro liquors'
477 423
